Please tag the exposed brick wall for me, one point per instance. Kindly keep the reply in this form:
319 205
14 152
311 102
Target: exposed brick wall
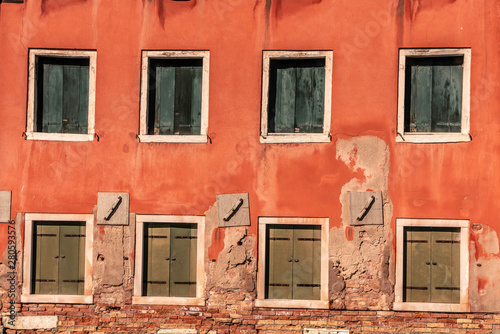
232 313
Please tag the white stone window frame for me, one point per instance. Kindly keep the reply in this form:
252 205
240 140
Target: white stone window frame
27 296
463 306
434 137
143 126
138 297
270 138
261 301
31 133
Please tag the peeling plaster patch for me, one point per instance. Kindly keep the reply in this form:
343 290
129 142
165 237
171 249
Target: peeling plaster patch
361 273
32 322
235 266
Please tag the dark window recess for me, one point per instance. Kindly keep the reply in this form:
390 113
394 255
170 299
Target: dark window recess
433 94
62 95
296 96
169 260
59 258
293 262
431 268
174 96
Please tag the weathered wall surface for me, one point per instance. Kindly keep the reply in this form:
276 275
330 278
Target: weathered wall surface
446 181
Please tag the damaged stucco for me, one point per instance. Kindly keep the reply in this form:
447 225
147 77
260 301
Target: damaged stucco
360 256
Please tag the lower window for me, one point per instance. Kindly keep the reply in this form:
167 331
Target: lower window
432 265
58 260
169 265
293 262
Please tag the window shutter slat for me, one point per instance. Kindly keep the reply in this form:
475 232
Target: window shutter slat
284 120
455 114
52 98
318 107
421 94
183 97
83 114
165 100
304 99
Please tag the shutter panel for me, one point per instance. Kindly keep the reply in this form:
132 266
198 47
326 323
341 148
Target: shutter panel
70 257
421 94
418 266
183 95
165 99
196 101
157 259
182 268
83 115
46 259
52 98
455 112
304 99
284 118
306 262
279 262
71 99
447 98
318 107
445 259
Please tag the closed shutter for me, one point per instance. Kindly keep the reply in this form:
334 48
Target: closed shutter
177 97
63 93
432 265
297 96
60 258
293 262
170 260
435 94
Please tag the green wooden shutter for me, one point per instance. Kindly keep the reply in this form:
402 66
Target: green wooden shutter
279 262
52 98
445 270
71 258
421 93
165 101
157 260
418 265
197 74
183 261
447 98
307 262
284 120
46 266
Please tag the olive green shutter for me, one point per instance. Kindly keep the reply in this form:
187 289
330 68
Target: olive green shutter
306 262
71 259
183 261
432 265
418 266
59 258
435 97
65 96
293 263
157 260
445 271
46 259
279 262
285 100
178 91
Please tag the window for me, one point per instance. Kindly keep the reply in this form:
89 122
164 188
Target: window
61 95
296 96
58 258
169 260
434 95
174 96
432 265
293 263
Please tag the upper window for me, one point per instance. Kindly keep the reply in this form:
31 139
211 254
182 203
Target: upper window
296 96
169 261
434 95
174 96
58 258
432 265
61 97
293 263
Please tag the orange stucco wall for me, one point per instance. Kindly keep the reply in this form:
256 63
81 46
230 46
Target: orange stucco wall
459 180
